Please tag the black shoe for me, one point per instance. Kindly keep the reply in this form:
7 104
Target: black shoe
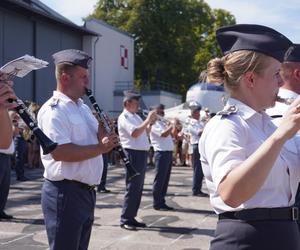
103 190
135 223
128 226
164 207
5 216
200 194
22 178
132 225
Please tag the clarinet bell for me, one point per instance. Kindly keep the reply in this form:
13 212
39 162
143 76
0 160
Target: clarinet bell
131 171
131 175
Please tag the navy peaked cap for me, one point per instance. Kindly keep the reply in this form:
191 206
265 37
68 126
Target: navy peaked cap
74 56
253 37
293 54
195 106
131 94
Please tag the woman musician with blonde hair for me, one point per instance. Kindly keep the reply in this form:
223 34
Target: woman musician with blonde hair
252 168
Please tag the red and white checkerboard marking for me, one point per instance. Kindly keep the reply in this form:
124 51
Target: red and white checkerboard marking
124 57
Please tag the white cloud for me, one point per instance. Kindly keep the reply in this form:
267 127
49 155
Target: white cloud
73 10
282 16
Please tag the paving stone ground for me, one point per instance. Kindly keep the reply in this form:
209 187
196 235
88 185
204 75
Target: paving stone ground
190 227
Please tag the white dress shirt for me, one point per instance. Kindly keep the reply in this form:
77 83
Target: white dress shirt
65 121
227 141
127 123
281 108
194 128
158 142
10 150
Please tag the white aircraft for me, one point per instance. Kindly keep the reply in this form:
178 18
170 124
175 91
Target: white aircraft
208 95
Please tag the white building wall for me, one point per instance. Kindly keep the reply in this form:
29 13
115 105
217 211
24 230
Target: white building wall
107 73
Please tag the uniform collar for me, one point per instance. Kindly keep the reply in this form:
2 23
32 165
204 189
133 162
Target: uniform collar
126 112
243 110
64 98
259 118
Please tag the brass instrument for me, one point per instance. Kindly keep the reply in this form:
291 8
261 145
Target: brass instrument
167 122
287 101
164 120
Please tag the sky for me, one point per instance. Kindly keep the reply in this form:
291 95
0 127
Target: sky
282 16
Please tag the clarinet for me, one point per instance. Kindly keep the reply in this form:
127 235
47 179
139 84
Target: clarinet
132 172
46 143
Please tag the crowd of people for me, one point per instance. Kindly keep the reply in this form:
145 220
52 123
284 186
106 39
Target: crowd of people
242 152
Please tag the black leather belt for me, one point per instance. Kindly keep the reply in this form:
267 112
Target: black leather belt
80 184
258 214
77 183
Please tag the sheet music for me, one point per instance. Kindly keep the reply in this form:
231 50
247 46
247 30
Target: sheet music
23 65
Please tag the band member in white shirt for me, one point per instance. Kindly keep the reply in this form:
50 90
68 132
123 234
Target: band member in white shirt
250 165
6 141
6 93
195 129
74 168
134 140
162 142
290 90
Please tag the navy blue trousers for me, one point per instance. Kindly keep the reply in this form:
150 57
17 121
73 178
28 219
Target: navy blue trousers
69 214
4 179
20 152
163 165
256 235
134 187
297 204
197 168
104 173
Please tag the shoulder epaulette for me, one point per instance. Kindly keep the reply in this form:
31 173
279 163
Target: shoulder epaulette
232 109
54 102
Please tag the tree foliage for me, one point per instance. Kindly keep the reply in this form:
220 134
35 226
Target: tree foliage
174 39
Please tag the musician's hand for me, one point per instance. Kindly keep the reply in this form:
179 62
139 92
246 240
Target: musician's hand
152 117
290 122
4 77
6 93
101 131
111 141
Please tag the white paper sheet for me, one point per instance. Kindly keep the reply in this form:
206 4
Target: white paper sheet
23 65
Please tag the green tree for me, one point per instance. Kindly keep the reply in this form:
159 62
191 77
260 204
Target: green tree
210 48
174 39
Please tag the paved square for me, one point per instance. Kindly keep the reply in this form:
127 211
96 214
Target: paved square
190 227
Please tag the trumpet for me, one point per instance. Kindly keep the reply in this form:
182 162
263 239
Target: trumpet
168 121
164 120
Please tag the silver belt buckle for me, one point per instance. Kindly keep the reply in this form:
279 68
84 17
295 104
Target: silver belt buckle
295 213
